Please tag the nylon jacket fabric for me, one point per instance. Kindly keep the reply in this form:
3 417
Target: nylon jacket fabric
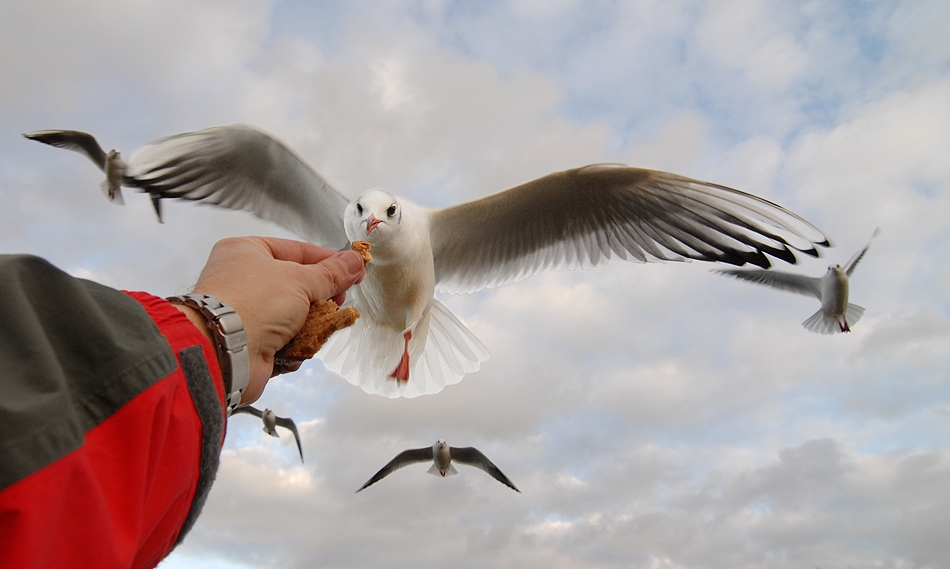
107 447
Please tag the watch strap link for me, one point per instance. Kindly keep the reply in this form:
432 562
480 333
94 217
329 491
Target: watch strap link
230 343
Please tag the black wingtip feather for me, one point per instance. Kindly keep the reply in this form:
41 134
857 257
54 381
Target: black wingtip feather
157 205
813 252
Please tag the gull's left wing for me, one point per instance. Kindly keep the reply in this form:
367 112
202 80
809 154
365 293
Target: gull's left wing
288 423
853 262
584 217
474 457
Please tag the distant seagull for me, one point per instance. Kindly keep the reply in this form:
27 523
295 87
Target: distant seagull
271 421
407 343
442 455
835 314
109 162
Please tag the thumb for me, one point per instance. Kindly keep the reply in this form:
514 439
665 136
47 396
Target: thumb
333 275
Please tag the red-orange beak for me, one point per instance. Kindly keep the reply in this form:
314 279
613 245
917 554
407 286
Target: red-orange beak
373 222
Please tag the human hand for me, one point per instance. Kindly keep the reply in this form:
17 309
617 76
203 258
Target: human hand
270 283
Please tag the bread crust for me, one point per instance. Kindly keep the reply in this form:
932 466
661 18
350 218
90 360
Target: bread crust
362 247
324 318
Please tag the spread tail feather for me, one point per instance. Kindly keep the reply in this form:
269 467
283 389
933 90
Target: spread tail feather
441 351
114 195
853 314
823 323
451 352
450 471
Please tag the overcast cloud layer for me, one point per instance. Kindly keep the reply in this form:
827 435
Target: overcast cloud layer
652 415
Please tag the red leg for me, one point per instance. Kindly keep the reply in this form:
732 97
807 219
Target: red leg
401 373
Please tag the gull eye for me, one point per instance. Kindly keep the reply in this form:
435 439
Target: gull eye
359 209
391 211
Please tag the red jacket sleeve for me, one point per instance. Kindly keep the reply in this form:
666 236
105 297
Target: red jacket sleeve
122 498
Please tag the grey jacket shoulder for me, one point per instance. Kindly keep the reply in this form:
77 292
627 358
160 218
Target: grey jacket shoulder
57 335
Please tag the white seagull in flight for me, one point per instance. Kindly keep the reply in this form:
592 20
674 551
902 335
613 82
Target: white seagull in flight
442 455
271 421
836 313
109 162
407 343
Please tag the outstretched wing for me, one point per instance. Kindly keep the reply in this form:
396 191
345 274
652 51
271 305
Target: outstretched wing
75 140
853 262
474 457
583 217
808 286
239 167
404 458
249 410
288 423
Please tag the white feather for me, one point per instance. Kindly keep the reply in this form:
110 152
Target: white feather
577 218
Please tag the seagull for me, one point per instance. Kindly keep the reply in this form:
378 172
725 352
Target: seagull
442 455
271 421
109 162
406 342
836 313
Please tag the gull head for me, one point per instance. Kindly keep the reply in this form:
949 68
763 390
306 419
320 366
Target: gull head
837 273
836 268
373 217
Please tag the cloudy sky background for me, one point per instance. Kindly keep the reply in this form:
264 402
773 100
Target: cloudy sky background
652 415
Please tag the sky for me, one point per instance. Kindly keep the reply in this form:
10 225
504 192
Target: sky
653 415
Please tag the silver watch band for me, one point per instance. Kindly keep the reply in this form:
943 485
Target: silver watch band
230 343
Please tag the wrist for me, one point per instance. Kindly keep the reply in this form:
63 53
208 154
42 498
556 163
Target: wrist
223 327
198 320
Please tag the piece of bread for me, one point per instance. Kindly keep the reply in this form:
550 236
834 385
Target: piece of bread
324 318
362 247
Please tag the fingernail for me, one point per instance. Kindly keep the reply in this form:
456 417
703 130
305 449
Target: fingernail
352 260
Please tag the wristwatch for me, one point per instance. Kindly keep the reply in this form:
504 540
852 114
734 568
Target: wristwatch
230 343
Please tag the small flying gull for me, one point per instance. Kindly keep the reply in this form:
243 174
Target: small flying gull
836 314
109 162
441 455
406 342
271 421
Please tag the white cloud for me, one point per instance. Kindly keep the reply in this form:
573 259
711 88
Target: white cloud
745 35
652 415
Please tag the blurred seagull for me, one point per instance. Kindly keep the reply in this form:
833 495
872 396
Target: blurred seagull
271 421
407 343
836 314
442 455
109 162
